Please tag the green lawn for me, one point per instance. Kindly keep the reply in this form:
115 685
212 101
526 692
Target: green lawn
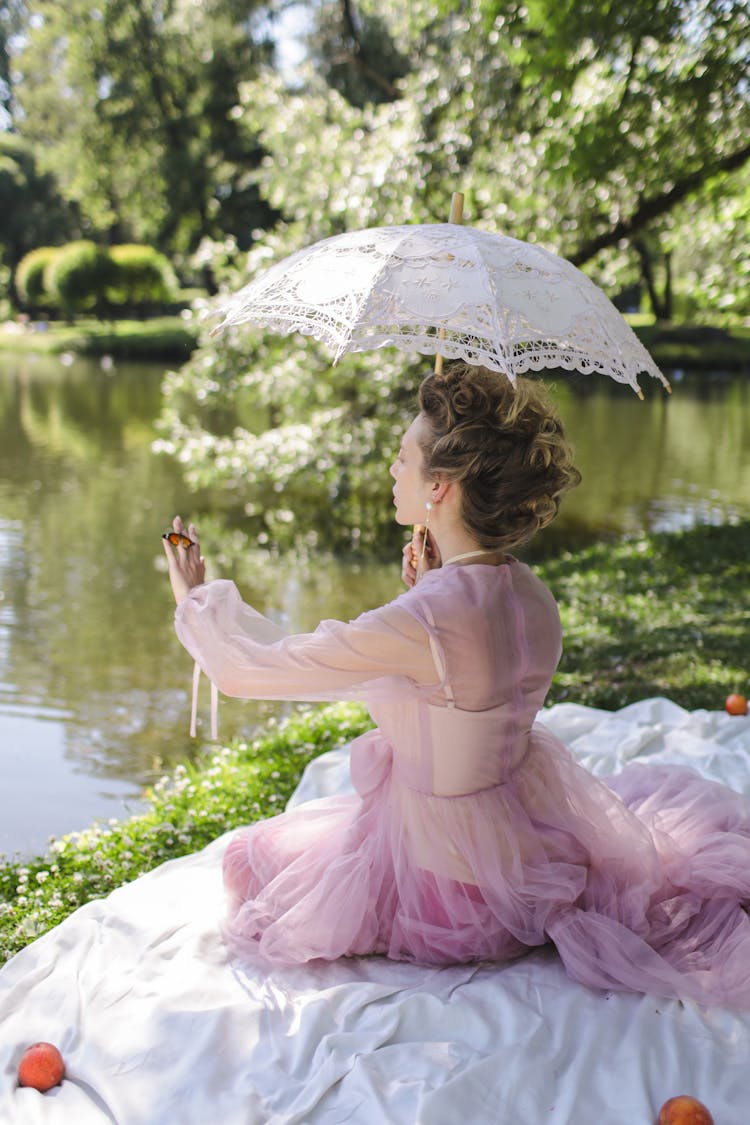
167 338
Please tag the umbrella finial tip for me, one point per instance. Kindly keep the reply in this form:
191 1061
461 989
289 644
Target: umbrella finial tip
640 394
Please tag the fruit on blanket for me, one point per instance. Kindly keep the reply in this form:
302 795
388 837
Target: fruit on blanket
736 704
41 1066
684 1110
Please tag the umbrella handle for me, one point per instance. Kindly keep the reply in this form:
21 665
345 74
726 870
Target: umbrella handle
456 216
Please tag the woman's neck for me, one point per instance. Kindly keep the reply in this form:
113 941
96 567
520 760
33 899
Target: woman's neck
460 549
487 555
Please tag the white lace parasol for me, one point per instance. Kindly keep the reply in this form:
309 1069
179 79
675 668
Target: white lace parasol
449 289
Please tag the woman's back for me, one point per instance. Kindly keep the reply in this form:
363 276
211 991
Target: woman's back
495 638
496 630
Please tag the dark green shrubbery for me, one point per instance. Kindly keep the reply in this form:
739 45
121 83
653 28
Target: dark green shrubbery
143 278
82 277
78 277
30 277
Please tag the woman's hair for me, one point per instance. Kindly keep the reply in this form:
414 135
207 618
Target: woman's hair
503 444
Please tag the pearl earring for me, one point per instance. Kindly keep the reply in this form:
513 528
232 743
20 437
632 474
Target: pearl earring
428 506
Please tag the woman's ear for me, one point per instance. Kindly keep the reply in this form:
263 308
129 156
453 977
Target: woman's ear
440 489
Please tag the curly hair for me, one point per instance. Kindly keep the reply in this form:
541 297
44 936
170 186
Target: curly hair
504 445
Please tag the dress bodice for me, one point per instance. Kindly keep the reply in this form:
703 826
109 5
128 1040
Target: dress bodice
495 633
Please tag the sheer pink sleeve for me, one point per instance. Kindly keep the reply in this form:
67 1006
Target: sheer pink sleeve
249 657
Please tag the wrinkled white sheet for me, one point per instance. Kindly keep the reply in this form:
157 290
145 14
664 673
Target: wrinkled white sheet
157 1028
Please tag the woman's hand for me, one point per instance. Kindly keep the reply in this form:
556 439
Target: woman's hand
187 567
414 564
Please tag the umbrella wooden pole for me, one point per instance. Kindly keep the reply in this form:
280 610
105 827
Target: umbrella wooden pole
418 544
456 216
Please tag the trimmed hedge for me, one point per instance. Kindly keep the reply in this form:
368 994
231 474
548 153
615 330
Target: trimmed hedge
142 278
78 277
83 277
30 276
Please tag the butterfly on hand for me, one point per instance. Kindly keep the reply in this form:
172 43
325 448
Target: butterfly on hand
178 539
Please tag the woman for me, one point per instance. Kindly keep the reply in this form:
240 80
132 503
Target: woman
473 834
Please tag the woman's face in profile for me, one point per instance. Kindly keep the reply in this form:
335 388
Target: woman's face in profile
411 489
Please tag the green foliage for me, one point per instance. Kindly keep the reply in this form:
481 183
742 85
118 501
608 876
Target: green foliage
583 125
357 55
78 276
82 275
141 278
130 105
32 211
712 266
640 109
13 16
30 277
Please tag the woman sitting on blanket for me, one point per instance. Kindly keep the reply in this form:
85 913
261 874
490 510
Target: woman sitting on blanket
473 833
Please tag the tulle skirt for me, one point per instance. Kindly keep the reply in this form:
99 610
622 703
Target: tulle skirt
640 882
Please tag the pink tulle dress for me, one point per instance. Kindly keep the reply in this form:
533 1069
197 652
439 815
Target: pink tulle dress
474 834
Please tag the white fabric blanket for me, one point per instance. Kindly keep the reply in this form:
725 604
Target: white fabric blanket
157 1028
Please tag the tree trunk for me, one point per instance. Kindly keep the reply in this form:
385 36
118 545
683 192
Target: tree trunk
661 303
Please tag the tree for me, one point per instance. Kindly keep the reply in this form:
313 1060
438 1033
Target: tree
13 18
130 102
32 212
355 52
584 136
643 105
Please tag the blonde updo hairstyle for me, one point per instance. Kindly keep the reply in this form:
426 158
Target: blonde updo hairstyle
503 444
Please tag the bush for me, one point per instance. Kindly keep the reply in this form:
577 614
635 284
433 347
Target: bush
79 276
30 276
142 278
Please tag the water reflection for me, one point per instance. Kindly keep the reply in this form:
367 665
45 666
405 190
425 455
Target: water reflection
93 684
663 464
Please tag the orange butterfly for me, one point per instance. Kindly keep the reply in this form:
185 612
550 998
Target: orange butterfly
177 539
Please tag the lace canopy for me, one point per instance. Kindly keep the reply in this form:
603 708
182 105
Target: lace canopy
449 289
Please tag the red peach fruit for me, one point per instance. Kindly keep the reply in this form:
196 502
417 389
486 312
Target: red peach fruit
41 1067
684 1110
736 704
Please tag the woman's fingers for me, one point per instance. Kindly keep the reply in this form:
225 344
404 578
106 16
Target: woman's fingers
408 571
187 567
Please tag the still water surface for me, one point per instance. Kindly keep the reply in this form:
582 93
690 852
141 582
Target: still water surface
93 684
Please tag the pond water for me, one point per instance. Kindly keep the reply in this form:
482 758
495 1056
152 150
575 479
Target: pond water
94 688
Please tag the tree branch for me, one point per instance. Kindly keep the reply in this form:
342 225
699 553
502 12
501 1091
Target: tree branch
654 206
635 48
359 57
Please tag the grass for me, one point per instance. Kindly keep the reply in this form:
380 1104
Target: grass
168 338
653 615
716 348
